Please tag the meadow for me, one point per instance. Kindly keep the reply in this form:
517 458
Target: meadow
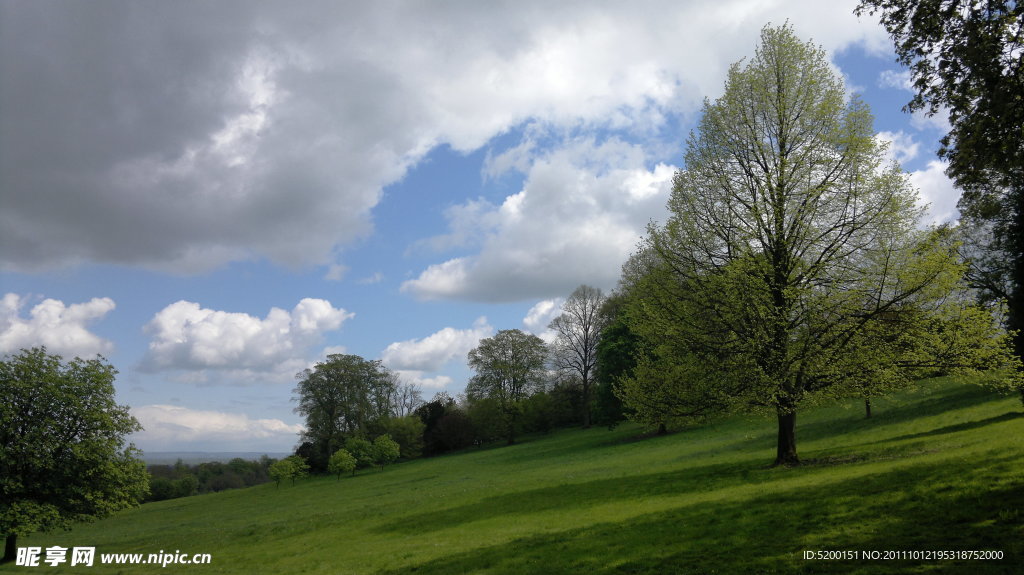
939 469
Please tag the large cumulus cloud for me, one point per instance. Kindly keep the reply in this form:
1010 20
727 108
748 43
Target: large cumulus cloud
61 328
186 337
183 135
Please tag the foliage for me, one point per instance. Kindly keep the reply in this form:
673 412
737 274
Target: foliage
790 257
362 450
489 421
617 351
454 430
430 413
408 433
293 467
509 368
342 397
161 488
341 462
63 457
183 480
965 59
578 331
385 450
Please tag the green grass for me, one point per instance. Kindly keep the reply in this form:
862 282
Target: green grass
939 469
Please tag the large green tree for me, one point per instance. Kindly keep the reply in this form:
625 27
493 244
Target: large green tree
63 453
967 57
509 368
340 398
578 331
791 249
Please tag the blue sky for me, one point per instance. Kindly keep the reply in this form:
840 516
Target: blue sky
216 195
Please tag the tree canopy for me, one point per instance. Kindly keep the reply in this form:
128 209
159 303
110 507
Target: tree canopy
965 57
63 452
791 255
340 398
509 367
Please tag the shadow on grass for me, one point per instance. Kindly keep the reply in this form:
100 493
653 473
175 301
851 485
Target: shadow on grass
569 497
926 402
572 496
965 426
898 510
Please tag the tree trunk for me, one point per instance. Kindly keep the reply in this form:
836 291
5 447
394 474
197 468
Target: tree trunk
662 430
10 549
867 408
786 454
586 406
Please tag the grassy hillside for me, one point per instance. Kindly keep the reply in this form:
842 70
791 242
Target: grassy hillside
940 469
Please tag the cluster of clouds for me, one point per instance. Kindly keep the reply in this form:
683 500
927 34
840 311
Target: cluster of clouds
217 144
184 336
184 136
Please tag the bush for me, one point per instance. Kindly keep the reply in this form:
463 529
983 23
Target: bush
292 467
342 462
385 450
362 450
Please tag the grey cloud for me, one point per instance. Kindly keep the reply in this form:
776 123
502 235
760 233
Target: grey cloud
182 135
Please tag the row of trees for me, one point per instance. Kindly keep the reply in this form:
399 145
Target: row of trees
521 383
183 480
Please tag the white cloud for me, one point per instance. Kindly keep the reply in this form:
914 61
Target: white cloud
417 378
580 213
431 353
61 328
185 336
180 428
934 123
540 315
898 79
902 146
272 130
938 191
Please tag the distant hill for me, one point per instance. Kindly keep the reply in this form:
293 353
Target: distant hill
194 457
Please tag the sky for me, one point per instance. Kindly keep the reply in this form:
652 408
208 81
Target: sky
216 195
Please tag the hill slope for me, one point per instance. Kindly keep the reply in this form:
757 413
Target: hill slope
937 470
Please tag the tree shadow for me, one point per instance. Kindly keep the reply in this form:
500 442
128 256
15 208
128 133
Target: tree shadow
965 426
768 533
573 496
938 402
